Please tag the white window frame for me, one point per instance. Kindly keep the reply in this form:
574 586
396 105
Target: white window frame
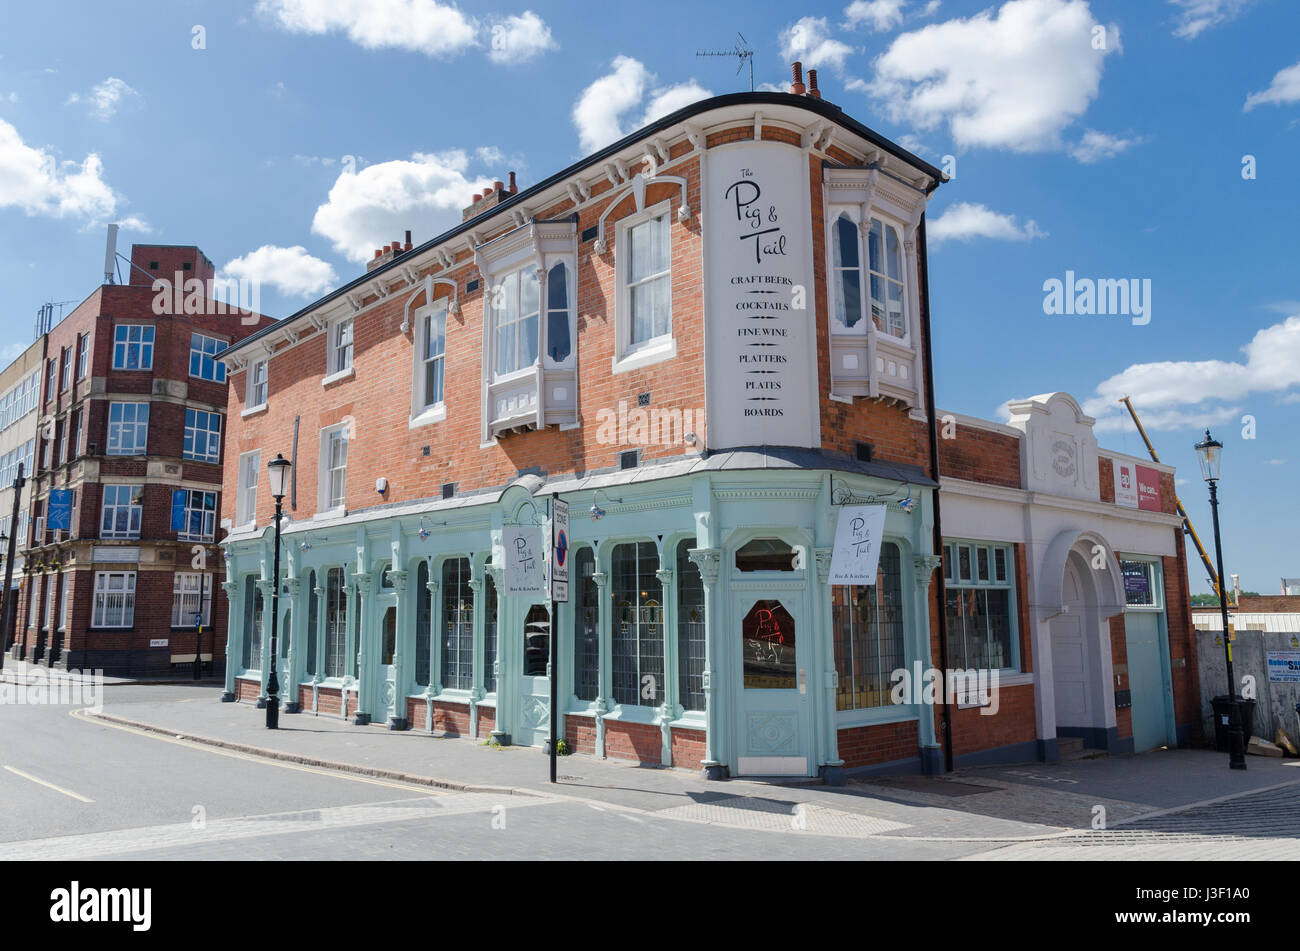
424 410
835 269
866 272
250 463
570 287
103 589
218 368
327 471
987 581
192 433
497 293
337 367
252 404
134 508
187 588
136 449
83 355
629 355
146 346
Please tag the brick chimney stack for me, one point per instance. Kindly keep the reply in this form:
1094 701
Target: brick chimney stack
813 91
797 87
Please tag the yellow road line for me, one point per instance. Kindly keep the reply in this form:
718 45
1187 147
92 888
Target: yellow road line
265 761
66 792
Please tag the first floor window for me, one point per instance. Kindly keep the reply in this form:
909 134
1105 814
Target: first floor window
202 435
336 624
257 384
334 466
189 589
648 280
66 379
979 580
132 347
516 304
846 276
586 627
203 358
199 516
433 349
867 624
638 622
885 257
246 502
128 429
559 344
123 511
457 625
114 604
83 356
341 346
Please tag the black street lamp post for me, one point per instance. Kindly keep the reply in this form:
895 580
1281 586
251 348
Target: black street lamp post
278 474
198 626
1210 453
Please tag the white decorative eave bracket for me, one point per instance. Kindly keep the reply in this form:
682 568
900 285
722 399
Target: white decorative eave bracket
430 282
637 190
354 301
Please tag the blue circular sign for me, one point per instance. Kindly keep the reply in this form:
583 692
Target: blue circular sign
561 548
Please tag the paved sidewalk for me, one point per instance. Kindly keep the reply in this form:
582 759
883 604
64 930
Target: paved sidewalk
996 806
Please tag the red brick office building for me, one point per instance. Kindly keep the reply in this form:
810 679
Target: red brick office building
711 338
132 413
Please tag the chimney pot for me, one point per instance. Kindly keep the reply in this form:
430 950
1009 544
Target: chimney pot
379 252
498 186
407 246
513 187
812 84
796 76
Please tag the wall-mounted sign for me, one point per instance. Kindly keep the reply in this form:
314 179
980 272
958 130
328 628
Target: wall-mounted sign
59 511
1137 583
525 559
762 373
1283 667
559 554
158 642
856 555
1136 487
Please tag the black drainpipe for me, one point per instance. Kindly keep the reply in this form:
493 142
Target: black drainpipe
934 474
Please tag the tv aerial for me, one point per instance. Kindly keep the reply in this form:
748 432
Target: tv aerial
742 52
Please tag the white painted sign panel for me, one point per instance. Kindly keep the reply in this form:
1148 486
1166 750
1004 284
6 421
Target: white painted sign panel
559 553
761 312
856 555
525 559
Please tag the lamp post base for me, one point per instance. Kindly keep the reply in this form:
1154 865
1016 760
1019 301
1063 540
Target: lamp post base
272 713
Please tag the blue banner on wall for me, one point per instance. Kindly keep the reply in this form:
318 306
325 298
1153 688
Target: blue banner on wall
178 510
59 514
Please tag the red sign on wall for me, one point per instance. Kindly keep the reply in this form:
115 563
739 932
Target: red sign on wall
1148 486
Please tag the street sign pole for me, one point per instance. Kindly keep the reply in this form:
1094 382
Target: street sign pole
559 585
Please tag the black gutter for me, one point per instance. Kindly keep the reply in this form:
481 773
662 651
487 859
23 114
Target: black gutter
934 474
819 107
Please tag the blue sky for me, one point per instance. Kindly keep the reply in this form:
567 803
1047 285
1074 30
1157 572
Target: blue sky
288 138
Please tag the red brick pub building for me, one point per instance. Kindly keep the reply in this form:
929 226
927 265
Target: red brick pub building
711 339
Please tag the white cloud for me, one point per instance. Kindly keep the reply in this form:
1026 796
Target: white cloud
518 39
291 271
809 41
373 207
1196 16
598 113
1275 462
1284 89
965 221
931 8
35 182
880 16
105 98
421 26
1095 146
1179 393
1012 80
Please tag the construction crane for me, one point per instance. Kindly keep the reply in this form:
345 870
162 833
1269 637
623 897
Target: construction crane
1187 522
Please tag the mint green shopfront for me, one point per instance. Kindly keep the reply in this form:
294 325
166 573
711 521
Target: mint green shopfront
700 632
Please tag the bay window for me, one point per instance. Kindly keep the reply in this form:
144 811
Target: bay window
516 304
